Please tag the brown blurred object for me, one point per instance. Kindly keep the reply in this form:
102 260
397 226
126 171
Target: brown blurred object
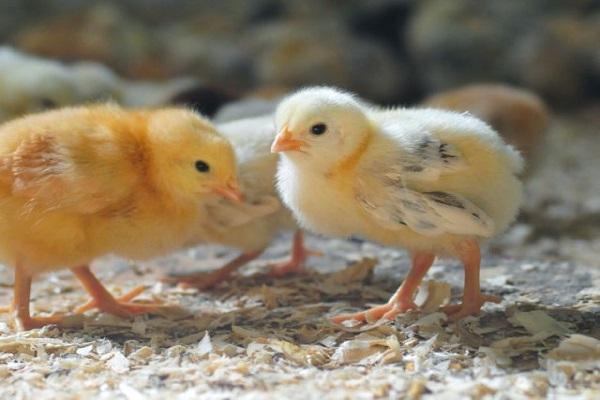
102 33
520 116
269 92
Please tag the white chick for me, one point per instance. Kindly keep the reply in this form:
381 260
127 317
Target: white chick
252 225
431 181
31 84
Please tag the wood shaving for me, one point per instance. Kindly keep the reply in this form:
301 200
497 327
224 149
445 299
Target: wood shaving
432 295
539 324
368 350
577 348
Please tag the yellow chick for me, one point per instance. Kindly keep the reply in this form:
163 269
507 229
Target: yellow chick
79 183
432 181
252 225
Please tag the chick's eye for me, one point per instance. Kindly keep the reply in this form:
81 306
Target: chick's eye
318 129
202 166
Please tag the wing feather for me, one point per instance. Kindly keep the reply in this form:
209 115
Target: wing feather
385 191
422 156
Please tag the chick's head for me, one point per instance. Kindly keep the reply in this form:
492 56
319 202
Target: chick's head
319 126
190 158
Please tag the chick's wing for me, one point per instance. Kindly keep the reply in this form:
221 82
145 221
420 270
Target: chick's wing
55 177
386 190
420 155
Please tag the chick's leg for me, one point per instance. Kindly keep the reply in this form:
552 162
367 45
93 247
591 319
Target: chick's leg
402 300
295 264
20 305
211 279
473 299
105 301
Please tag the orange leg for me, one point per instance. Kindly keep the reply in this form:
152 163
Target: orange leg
473 299
295 264
205 280
104 301
402 300
20 304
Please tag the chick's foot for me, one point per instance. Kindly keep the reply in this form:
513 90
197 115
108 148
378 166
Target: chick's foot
127 297
385 311
468 307
25 323
402 301
468 251
295 265
20 317
22 321
202 280
289 267
122 309
206 280
104 301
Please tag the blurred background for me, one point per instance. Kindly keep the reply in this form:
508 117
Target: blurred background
389 51
530 68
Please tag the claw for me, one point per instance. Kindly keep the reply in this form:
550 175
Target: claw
104 301
121 306
456 312
295 265
27 323
402 301
387 311
206 280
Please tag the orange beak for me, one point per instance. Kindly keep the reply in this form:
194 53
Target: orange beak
285 142
230 191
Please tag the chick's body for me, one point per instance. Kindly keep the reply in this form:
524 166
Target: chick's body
79 183
431 181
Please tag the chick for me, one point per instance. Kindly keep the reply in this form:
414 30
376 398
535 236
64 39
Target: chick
32 84
431 181
519 116
79 183
252 225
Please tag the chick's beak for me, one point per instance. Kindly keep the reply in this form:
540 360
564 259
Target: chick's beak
285 142
230 191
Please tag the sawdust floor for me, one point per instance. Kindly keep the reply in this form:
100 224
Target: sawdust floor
255 337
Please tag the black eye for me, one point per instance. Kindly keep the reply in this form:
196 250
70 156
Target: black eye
318 129
202 166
